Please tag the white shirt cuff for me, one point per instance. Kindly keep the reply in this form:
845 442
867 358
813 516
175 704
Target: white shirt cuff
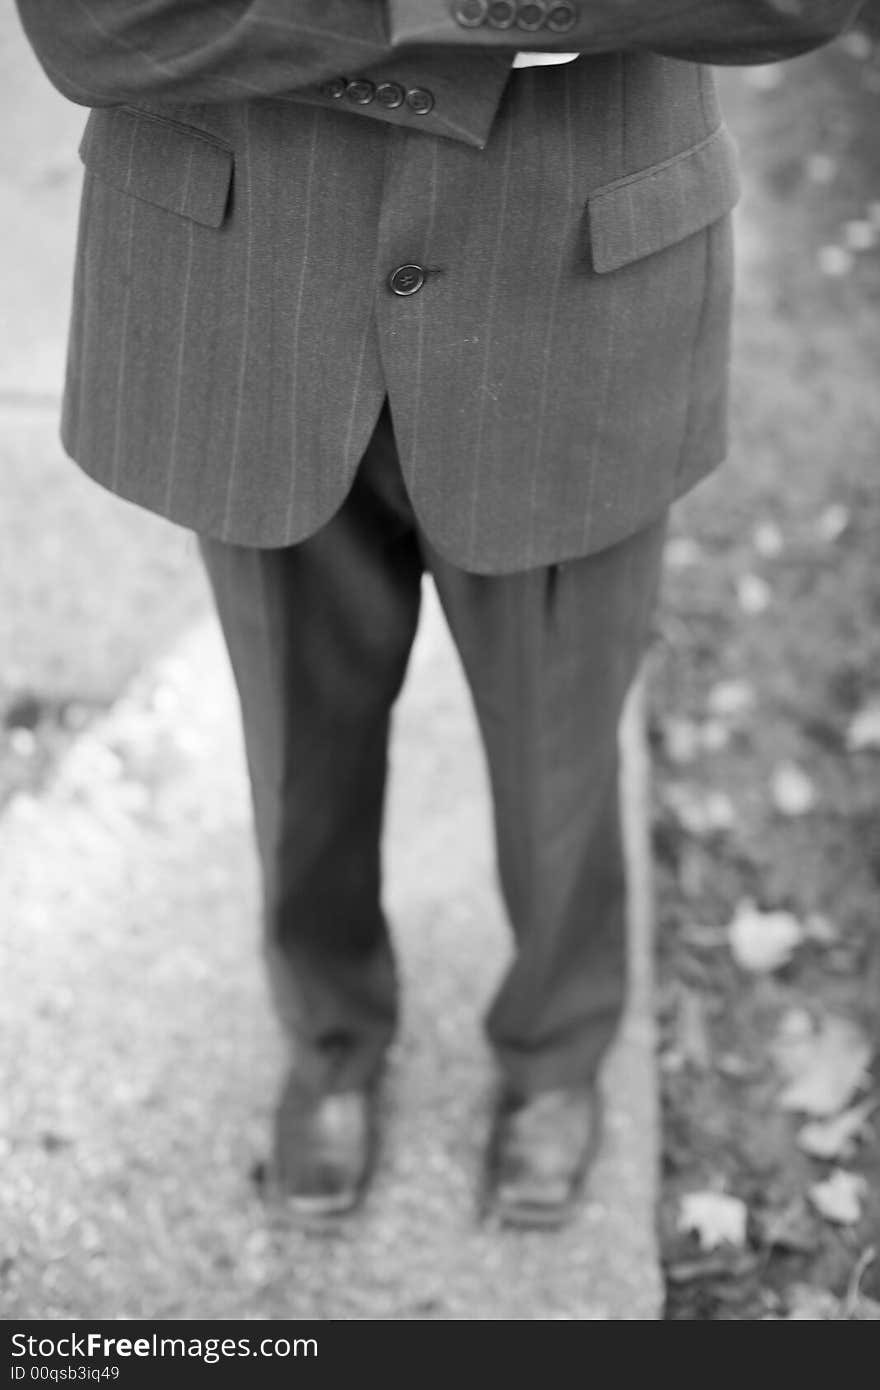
533 60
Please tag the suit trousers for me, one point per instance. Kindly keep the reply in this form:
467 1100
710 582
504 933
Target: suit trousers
319 635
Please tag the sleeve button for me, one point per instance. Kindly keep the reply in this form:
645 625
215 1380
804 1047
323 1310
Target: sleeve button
390 94
470 14
502 14
420 100
561 18
531 15
334 87
360 91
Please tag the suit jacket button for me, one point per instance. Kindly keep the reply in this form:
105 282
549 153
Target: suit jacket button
470 13
531 15
406 279
561 18
502 14
334 87
420 100
360 91
390 94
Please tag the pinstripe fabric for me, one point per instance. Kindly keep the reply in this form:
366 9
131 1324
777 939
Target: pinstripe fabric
248 265
560 377
637 215
715 31
549 386
319 635
531 382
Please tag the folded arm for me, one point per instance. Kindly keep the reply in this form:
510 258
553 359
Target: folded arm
712 31
167 52
115 52
106 52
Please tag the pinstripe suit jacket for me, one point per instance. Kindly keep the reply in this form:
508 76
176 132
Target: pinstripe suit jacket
560 376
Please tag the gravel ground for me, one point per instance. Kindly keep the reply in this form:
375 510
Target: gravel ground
90 588
140 1059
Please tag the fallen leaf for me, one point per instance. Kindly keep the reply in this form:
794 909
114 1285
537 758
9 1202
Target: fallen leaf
761 942
856 1305
692 871
821 930
714 735
792 1228
856 44
736 1067
681 739
834 260
839 1197
726 1263
865 1310
76 716
767 539
825 1070
796 1028
682 552
806 1304
860 235
731 699
703 938
671 1061
715 1218
700 813
684 739
837 1137
792 790
821 168
833 522
692 1033
23 742
719 811
753 594
863 734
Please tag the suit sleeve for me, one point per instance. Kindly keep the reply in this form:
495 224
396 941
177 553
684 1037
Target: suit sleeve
108 52
710 31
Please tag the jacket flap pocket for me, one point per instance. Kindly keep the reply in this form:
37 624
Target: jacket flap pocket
645 212
174 166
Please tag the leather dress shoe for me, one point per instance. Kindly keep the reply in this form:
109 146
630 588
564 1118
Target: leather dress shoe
324 1149
540 1150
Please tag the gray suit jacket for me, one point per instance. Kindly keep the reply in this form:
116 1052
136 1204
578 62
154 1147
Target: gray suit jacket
257 169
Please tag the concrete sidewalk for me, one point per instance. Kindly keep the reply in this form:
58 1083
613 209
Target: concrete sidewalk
139 1058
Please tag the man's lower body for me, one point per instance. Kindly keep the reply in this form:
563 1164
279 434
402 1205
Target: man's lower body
319 635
